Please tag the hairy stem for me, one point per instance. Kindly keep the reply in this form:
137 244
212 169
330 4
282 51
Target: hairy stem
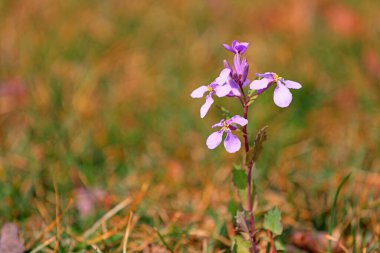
249 177
245 134
250 211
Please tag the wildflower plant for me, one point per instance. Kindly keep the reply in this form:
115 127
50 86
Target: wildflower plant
233 83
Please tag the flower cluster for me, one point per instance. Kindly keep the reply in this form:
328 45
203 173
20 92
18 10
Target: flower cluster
232 82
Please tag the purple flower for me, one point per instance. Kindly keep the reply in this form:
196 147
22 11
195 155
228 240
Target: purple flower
237 47
238 74
232 142
220 87
241 66
281 96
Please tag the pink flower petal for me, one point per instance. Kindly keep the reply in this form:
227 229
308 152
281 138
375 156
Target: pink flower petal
206 106
222 91
237 64
225 73
260 84
267 75
220 124
232 143
282 96
228 48
199 92
237 119
234 88
292 84
214 139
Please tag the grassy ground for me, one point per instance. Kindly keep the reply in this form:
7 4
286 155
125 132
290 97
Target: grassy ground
97 121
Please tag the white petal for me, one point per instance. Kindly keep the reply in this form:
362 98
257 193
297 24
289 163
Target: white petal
206 106
282 96
232 143
223 77
222 91
214 139
259 84
220 124
199 92
292 84
237 119
225 73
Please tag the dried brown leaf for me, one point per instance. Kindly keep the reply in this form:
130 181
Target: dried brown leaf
314 242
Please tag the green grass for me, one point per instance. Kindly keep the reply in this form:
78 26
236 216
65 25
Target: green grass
104 106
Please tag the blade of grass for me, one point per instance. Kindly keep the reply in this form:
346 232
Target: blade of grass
96 248
127 232
57 218
162 239
333 210
354 228
127 201
43 245
51 225
107 216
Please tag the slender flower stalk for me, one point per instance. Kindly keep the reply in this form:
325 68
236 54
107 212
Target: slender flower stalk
249 176
231 83
249 185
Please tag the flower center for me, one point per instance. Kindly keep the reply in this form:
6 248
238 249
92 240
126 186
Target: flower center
225 126
276 77
209 88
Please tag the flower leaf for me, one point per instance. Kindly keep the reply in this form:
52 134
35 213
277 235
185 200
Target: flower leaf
225 112
254 153
279 245
272 221
241 223
240 245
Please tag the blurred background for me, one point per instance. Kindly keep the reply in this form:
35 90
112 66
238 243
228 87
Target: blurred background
95 107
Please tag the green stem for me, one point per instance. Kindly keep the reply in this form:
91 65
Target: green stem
333 210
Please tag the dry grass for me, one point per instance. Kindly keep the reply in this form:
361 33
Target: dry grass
95 97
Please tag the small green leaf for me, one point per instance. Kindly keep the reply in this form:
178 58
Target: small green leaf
243 196
250 92
239 177
272 221
279 245
240 245
232 207
225 112
252 99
